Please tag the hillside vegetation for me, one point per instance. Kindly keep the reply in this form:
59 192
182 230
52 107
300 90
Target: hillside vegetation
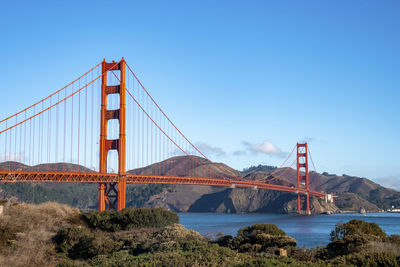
52 234
83 196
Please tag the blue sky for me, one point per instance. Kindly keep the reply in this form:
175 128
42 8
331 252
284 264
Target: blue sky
244 79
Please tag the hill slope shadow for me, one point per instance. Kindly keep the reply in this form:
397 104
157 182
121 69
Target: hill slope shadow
219 201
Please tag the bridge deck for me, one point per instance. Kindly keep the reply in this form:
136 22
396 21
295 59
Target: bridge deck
95 177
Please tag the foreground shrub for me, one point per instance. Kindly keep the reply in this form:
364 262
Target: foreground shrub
258 238
158 240
348 244
130 218
304 254
281 262
225 241
8 233
270 229
369 259
75 242
186 253
353 237
357 227
177 232
79 243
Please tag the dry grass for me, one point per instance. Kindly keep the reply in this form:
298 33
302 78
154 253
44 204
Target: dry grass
36 225
381 247
177 232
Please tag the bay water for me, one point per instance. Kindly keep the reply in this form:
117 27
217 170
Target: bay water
309 231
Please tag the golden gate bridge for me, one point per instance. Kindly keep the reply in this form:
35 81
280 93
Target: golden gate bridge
64 139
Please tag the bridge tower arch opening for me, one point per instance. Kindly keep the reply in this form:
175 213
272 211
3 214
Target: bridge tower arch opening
112 195
302 178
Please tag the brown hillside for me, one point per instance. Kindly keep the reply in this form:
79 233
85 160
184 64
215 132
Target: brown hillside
59 167
184 166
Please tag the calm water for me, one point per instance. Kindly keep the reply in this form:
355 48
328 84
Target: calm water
309 231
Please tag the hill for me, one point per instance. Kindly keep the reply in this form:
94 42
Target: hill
353 193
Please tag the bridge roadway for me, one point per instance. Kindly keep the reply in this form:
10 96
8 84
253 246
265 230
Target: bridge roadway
95 177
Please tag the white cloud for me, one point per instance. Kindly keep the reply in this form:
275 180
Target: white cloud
265 147
209 150
206 149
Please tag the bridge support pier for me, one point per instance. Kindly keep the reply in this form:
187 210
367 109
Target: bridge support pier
121 193
102 201
298 203
112 195
302 177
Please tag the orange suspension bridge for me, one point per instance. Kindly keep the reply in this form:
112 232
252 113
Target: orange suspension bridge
64 139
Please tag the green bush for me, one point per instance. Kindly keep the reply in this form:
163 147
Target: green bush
167 238
75 242
258 238
177 232
304 254
281 262
264 228
187 253
353 237
79 243
357 227
347 245
130 218
225 241
370 259
8 233
70 263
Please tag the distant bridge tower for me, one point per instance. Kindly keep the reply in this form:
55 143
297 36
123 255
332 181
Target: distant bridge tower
112 195
302 176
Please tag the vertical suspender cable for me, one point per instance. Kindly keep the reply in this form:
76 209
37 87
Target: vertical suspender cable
147 135
15 143
79 124
9 152
143 136
65 132
85 133
57 126
91 135
33 139
48 136
151 142
42 134
72 123
30 140
5 141
21 153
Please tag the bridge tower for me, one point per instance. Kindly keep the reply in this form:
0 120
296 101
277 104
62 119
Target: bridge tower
112 195
302 176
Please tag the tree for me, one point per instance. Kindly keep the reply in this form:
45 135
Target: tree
356 227
353 236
